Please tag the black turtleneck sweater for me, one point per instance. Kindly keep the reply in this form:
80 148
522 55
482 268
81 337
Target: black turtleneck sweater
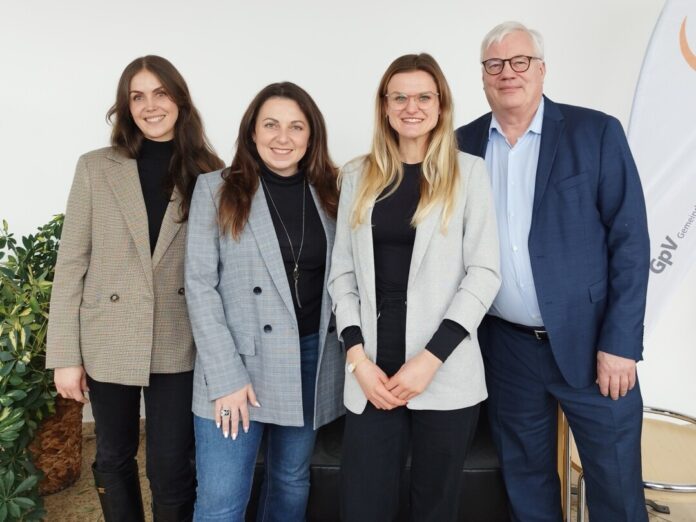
393 238
286 193
153 169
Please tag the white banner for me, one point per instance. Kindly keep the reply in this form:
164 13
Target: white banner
662 134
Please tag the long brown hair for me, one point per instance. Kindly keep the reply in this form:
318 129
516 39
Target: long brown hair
242 177
383 164
193 154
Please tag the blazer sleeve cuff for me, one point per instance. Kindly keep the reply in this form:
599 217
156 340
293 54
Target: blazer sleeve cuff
448 336
227 380
352 336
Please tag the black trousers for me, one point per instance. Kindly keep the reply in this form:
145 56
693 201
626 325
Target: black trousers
376 444
170 458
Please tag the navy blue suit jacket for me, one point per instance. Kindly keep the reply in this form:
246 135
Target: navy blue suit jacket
588 241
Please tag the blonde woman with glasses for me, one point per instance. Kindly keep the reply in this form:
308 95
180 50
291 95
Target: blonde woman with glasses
414 269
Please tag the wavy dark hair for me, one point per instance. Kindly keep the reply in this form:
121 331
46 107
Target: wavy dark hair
193 154
242 177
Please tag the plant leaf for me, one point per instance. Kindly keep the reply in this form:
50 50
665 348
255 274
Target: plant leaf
13 509
27 484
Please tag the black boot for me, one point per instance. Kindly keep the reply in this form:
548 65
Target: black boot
179 513
119 494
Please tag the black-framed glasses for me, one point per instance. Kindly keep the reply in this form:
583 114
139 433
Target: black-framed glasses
399 100
519 64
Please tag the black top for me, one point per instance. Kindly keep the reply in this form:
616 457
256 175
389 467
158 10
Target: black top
286 193
393 238
153 169
392 233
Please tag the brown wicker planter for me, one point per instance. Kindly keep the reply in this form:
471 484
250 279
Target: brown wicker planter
57 447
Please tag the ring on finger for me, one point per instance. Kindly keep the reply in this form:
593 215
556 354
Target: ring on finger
225 412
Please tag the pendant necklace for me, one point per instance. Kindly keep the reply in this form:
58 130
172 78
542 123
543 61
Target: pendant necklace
296 260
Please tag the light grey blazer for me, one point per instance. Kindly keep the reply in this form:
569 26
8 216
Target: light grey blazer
453 275
244 336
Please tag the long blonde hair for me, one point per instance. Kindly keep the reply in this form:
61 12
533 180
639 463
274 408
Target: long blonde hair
382 166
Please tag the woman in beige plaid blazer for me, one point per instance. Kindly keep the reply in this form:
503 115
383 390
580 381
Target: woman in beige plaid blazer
118 321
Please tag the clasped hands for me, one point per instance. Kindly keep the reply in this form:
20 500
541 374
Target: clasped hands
388 393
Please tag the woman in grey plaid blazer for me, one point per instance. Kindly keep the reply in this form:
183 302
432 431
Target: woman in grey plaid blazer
414 269
118 323
257 259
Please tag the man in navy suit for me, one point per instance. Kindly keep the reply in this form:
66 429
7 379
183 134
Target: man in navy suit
567 325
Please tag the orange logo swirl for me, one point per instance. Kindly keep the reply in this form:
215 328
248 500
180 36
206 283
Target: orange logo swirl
688 54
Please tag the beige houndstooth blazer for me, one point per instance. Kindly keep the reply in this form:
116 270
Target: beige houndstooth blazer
115 308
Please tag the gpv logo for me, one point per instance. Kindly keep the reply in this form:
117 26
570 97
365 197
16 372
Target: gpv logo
665 258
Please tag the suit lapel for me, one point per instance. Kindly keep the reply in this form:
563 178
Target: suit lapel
262 227
551 130
170 227
125 184
424 233
364 257
483 138
329 231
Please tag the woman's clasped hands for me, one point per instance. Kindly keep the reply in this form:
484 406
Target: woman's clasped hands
387 393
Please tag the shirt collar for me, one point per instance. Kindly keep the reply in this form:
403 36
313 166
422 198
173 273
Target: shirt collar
534 127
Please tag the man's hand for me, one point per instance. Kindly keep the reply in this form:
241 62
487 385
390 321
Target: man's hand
615 375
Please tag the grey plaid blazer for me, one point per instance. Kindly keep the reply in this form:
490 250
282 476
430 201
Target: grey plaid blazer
453 275
231 322
115 308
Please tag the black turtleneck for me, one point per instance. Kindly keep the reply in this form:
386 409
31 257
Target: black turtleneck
286 193
393 238
153 169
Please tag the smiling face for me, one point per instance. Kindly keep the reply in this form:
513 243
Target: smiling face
512 92
281 135
411 122
152 109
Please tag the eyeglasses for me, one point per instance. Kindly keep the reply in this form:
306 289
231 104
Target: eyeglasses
519 64
399 100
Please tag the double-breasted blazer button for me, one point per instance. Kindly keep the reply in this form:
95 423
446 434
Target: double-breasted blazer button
268 328
181 291
257 290
332 329
114 298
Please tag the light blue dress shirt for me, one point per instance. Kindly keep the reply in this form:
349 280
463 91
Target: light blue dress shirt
513 176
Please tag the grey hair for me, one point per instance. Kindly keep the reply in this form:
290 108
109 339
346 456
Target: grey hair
500 31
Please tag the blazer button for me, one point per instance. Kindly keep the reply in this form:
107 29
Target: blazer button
181 291
332 329
257 290
114 298
268 328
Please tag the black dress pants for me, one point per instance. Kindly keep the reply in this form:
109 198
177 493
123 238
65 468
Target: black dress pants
376 444
170 458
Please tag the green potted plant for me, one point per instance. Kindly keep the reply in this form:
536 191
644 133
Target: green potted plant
27 394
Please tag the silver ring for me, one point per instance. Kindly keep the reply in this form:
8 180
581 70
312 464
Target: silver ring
224 412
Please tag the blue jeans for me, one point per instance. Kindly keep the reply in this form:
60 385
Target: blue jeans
225 467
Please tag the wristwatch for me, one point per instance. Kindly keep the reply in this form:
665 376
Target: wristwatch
351 366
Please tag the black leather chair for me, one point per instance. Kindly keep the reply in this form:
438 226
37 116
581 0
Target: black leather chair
483 497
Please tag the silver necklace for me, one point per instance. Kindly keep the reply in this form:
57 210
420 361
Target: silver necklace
296 260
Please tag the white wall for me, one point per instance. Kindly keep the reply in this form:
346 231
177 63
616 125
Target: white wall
60 62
